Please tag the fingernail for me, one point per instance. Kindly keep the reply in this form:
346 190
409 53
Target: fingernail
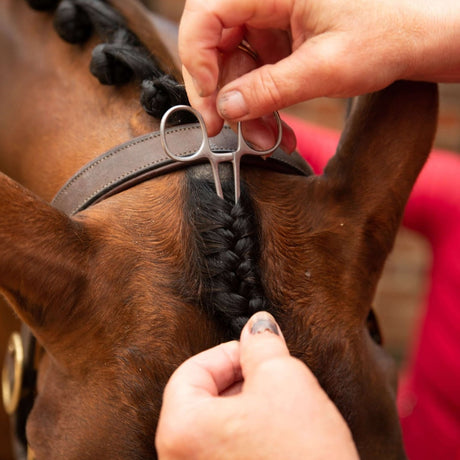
232 105
289 143
258 134
205 85
263 322
198 87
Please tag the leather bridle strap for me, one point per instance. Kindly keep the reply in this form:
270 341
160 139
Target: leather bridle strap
143 158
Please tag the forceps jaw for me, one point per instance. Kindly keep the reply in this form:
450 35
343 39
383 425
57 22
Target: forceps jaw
216 177
236 176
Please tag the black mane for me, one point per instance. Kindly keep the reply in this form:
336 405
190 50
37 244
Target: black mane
121 58
226 235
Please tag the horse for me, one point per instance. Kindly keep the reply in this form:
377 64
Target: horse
121 291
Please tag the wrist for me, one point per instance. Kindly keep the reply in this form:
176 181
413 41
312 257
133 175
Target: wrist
433 52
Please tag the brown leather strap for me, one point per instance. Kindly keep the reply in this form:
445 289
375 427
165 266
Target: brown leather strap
143 158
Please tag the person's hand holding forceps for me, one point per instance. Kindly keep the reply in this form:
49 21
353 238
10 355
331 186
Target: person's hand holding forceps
205 151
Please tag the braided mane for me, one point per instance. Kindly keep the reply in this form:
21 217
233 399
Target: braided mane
122 58
230 287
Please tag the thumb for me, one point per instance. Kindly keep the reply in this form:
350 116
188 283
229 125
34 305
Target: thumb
261 342
305 74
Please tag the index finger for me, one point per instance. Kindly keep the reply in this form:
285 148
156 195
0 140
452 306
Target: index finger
202 26
206 374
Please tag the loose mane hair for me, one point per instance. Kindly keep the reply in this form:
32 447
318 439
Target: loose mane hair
226 276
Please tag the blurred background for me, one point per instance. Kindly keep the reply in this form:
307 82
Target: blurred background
401 293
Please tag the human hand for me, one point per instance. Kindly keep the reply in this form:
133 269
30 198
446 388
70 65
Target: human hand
250 399
310 48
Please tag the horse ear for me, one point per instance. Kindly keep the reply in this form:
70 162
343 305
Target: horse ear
385 143
42 254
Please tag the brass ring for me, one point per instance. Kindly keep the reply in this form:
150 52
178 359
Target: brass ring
248 49
11 389
30 453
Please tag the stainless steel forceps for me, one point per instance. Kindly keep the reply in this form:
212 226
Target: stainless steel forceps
215 158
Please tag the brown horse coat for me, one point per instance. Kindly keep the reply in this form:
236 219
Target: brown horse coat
112 294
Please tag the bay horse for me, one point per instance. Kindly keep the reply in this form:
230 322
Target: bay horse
118 293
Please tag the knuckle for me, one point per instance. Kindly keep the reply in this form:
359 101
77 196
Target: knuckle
173 441
336 69
269 88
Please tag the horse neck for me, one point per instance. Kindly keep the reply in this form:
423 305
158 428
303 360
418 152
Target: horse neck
55 116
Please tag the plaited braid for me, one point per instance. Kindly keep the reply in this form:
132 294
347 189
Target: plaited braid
231 288
121 58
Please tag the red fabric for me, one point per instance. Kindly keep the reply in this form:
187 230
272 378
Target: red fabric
429 395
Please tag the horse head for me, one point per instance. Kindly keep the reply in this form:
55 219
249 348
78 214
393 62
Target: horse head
122 292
